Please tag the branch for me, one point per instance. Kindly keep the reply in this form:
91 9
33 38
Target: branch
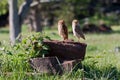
24 10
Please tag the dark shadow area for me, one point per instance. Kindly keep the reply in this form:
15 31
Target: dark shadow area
93 28
4 19
112 32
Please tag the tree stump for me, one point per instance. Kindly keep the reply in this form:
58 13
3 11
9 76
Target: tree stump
67 50
53 65
63 57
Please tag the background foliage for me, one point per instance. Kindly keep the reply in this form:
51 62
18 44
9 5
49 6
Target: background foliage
107 10
4 6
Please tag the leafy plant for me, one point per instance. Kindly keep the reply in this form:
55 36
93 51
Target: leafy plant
33 45
14 59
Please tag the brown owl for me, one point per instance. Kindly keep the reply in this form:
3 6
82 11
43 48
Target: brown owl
76 30
62 29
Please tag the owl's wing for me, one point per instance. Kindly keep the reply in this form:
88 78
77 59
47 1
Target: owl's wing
79 31
65 31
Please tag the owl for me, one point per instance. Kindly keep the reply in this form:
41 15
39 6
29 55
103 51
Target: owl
77 30
62 29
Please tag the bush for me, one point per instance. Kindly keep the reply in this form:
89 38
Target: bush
15 58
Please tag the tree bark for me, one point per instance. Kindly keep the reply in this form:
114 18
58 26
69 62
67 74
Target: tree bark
37 25
16 19
13 20
24 9
35 20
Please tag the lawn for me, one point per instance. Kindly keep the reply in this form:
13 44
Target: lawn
101 61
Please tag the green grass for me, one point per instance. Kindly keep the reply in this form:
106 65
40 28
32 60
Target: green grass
4 34
101 61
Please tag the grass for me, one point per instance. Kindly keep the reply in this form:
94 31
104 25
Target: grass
101 61
4 34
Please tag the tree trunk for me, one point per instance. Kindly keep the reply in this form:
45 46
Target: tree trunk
54 65
16 19
35 20
37 24
13 20
24 9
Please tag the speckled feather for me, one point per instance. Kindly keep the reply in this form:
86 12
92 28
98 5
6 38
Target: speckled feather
62 29
76 29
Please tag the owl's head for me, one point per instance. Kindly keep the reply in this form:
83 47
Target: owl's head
75 21
61 22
